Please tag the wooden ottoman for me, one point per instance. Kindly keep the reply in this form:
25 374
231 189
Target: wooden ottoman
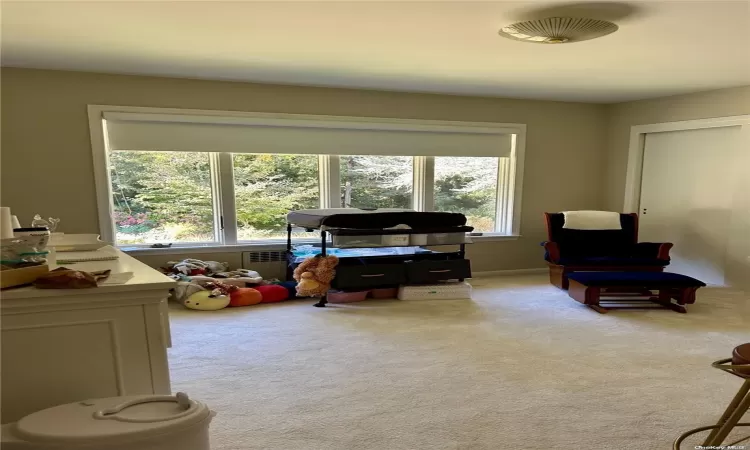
629 288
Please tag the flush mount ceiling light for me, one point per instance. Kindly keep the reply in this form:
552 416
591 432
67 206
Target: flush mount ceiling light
558 30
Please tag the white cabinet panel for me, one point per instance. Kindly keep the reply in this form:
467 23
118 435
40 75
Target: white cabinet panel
689 184
66 345
65 356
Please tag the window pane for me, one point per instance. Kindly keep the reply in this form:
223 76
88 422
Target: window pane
267 187
377 181
468 185
161 197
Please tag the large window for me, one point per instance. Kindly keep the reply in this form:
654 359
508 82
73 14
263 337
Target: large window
376 181
267 187
468 185
161 197
215 180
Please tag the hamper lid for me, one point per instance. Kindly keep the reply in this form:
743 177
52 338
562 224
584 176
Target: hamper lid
109 419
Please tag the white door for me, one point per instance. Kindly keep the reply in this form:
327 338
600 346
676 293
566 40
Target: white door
689 190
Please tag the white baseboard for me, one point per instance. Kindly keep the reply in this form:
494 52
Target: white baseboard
501 273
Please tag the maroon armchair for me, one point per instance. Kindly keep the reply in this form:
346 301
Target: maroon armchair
568 250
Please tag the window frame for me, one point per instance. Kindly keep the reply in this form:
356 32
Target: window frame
509 194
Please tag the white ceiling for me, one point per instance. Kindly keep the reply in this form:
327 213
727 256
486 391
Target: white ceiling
662 47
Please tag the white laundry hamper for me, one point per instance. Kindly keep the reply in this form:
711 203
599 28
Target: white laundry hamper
142 422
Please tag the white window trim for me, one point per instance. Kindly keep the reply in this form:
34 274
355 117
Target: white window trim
508 199
424 175
225 173
328 176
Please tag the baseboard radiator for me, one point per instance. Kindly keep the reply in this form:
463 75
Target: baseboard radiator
269 263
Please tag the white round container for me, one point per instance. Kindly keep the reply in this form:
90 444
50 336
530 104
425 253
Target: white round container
144 422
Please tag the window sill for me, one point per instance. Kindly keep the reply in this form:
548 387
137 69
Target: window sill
260 246
211 248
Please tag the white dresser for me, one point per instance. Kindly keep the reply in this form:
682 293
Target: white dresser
65 345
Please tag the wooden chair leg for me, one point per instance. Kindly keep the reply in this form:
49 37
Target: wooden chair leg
565 281
686 296
589 296
557 277
669 305
599 309
665 300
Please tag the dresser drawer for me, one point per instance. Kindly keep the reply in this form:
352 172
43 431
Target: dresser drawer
419 272
369 275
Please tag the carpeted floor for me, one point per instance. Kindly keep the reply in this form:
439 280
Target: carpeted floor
521 366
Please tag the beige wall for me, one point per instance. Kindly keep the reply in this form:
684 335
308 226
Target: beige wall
46 151
622 116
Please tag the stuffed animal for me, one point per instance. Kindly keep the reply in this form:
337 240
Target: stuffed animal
219 288
187 267
314 275
273 293
196 267
244 297
206 301
216 266
291 288
244 275
238 296
183 290
239 282
215 295
201 279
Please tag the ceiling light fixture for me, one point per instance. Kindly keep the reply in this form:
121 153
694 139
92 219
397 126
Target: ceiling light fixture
558 30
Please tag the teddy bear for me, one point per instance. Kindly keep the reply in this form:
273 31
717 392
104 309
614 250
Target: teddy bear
314 275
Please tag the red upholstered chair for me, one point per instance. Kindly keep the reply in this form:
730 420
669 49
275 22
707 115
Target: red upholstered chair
599 250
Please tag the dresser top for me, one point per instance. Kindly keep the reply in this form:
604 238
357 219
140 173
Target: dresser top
144 278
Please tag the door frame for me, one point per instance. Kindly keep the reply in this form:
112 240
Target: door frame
638 141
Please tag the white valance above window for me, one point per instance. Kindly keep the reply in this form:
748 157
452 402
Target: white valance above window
324 136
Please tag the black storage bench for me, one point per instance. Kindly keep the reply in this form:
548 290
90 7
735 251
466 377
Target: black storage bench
626 288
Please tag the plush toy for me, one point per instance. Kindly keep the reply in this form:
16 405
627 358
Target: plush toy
239 282
245 275
290 286
201 279
215 295
183 290
216 266
196 267
206 301
314 275
204 280
187 267
219 288
244 297
273 293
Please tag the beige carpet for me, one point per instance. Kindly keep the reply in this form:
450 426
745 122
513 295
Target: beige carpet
522 366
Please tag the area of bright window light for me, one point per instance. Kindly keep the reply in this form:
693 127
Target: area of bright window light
175 197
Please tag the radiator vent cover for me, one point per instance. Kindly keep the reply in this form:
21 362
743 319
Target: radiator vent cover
264 256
